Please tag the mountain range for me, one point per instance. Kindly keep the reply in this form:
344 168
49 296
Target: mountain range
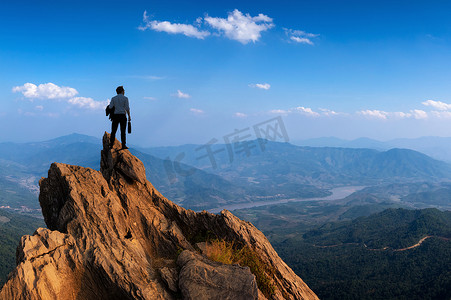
279 164
111 235
436 147
239 174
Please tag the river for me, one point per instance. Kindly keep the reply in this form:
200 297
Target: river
337 194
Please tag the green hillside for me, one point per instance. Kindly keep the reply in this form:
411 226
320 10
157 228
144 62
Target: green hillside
12 227
367 258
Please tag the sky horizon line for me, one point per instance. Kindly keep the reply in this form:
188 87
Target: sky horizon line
222 142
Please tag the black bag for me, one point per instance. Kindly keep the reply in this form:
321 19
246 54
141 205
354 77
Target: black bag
109 111
129 127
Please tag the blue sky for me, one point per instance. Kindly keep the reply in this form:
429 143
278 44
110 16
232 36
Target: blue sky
197 70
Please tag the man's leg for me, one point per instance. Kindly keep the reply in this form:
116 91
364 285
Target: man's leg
114 124
123 122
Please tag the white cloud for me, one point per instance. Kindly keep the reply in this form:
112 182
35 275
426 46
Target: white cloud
441 114
263 86
300 109
196 111
172 28
301 33
181 94
328 112
437 104
150 98
240 27
378 114
39 107
384 115
400 114
300 36
280 111
301 40
306 111
45 91
88 103
419 114
240 115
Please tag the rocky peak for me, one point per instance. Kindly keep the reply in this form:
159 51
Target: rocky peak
112 235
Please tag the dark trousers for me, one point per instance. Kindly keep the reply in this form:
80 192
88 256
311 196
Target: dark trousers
118 119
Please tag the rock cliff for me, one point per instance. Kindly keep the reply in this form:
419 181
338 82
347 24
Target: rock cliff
112 235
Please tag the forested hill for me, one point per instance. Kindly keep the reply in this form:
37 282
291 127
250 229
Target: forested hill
395 254
392 228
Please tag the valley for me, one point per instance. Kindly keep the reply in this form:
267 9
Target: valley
337 193
344 219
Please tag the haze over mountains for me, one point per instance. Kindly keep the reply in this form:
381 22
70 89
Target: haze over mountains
434 146
387 179
277 171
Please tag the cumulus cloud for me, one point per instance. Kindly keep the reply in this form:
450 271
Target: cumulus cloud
240 115
378 114
88 103
419 114
181 94
300 36
241 27
51 91
306 111
300 109
172 28
437 104
263 86
45 91
301 40
400 114
280 111
196 111
328 112
384 115
444 114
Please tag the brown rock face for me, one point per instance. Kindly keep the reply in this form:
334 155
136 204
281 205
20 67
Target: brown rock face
112 235
203 279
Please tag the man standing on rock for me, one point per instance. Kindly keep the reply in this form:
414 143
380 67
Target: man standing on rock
121 106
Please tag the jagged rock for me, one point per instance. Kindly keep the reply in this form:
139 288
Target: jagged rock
203 279
170 277
111 235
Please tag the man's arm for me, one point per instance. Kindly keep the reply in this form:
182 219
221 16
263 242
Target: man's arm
127 109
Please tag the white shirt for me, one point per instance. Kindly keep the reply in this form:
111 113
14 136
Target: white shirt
120 104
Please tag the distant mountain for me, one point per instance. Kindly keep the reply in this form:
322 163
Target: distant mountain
436 147
282 164
22 165
282 170
336 142
19 151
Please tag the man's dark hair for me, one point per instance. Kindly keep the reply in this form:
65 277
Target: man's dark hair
119 89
